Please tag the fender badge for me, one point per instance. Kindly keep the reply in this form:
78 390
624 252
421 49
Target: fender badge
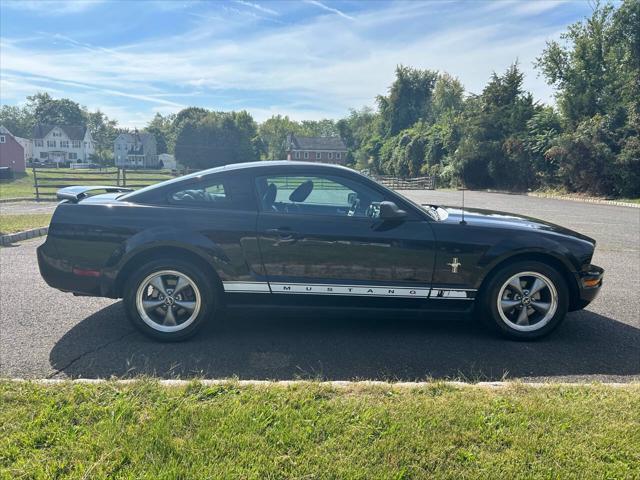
454 265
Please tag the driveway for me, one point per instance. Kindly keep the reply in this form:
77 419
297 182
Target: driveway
46 333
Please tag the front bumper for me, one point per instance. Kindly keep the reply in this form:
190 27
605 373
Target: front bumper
589 284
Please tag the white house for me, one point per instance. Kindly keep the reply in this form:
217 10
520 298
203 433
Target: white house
135 150
62 144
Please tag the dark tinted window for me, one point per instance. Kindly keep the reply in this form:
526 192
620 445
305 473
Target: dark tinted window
225 192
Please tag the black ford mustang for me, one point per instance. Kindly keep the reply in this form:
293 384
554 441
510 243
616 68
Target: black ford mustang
304 234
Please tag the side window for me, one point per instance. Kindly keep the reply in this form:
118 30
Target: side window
224 193
317 195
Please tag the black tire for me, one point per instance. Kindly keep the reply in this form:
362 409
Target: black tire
488 303
206 289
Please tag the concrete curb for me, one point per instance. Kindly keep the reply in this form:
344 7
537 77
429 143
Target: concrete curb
28 199
597 201
17 199
332 384
27 234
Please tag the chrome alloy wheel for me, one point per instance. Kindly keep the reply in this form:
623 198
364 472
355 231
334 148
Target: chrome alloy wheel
527 301
168 301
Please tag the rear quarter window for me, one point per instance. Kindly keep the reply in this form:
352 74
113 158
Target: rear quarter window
230 193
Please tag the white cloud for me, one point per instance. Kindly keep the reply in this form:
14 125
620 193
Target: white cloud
329 9
257 6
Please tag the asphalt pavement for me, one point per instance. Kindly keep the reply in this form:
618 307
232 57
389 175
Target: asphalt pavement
47 333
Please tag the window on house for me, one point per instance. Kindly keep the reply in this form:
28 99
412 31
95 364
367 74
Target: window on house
338 155
73 156
318 155
3 139
76 144
298 155
39 143
64 143
57 134
330 155
306 155
51 143
44 155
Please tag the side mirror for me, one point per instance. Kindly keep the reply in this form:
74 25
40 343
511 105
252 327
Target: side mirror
351 198
390 211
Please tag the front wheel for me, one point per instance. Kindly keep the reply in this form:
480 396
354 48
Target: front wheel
169 300
525 300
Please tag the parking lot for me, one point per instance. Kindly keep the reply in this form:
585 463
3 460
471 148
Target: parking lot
47 333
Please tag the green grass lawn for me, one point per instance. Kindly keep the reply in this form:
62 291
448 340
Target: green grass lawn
22 185
145 430
18 223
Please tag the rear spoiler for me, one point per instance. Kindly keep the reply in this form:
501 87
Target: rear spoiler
75 194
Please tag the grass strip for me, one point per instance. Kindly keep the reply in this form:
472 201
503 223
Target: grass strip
146 430
20 222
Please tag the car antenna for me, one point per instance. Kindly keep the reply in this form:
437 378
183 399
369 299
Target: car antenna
462 222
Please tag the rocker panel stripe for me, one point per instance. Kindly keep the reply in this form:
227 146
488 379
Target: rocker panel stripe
349 290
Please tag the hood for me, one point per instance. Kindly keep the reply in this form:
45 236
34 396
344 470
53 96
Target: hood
503 220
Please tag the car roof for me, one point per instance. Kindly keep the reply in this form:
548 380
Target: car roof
269 164
266 164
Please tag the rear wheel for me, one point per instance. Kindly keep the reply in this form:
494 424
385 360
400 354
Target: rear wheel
525 300
169 300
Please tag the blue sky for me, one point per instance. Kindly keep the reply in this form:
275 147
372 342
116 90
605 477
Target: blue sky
306 59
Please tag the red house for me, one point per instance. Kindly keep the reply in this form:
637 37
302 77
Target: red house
11 152
316 149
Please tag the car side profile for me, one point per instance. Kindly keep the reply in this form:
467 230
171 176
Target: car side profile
287 233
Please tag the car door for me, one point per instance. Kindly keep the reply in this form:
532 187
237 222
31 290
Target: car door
319 234
222 209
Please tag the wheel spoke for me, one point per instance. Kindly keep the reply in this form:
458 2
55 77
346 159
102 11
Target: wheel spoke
188 306
151 304
538 285
523 317
542 307
158 284
508 305
182 283
169 319
515 284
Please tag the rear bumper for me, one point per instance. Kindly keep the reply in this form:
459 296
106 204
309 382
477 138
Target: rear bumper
60 274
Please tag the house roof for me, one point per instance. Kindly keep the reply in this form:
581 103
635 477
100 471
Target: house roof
316 143
129 137
74 132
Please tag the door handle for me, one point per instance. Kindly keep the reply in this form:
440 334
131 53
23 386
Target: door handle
284 234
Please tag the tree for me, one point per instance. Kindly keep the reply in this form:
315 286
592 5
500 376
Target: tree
596 69
493 150
361 133
217 138
409 99
318 128
448 96
18 120
104 131
273 133
50 111
163 129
